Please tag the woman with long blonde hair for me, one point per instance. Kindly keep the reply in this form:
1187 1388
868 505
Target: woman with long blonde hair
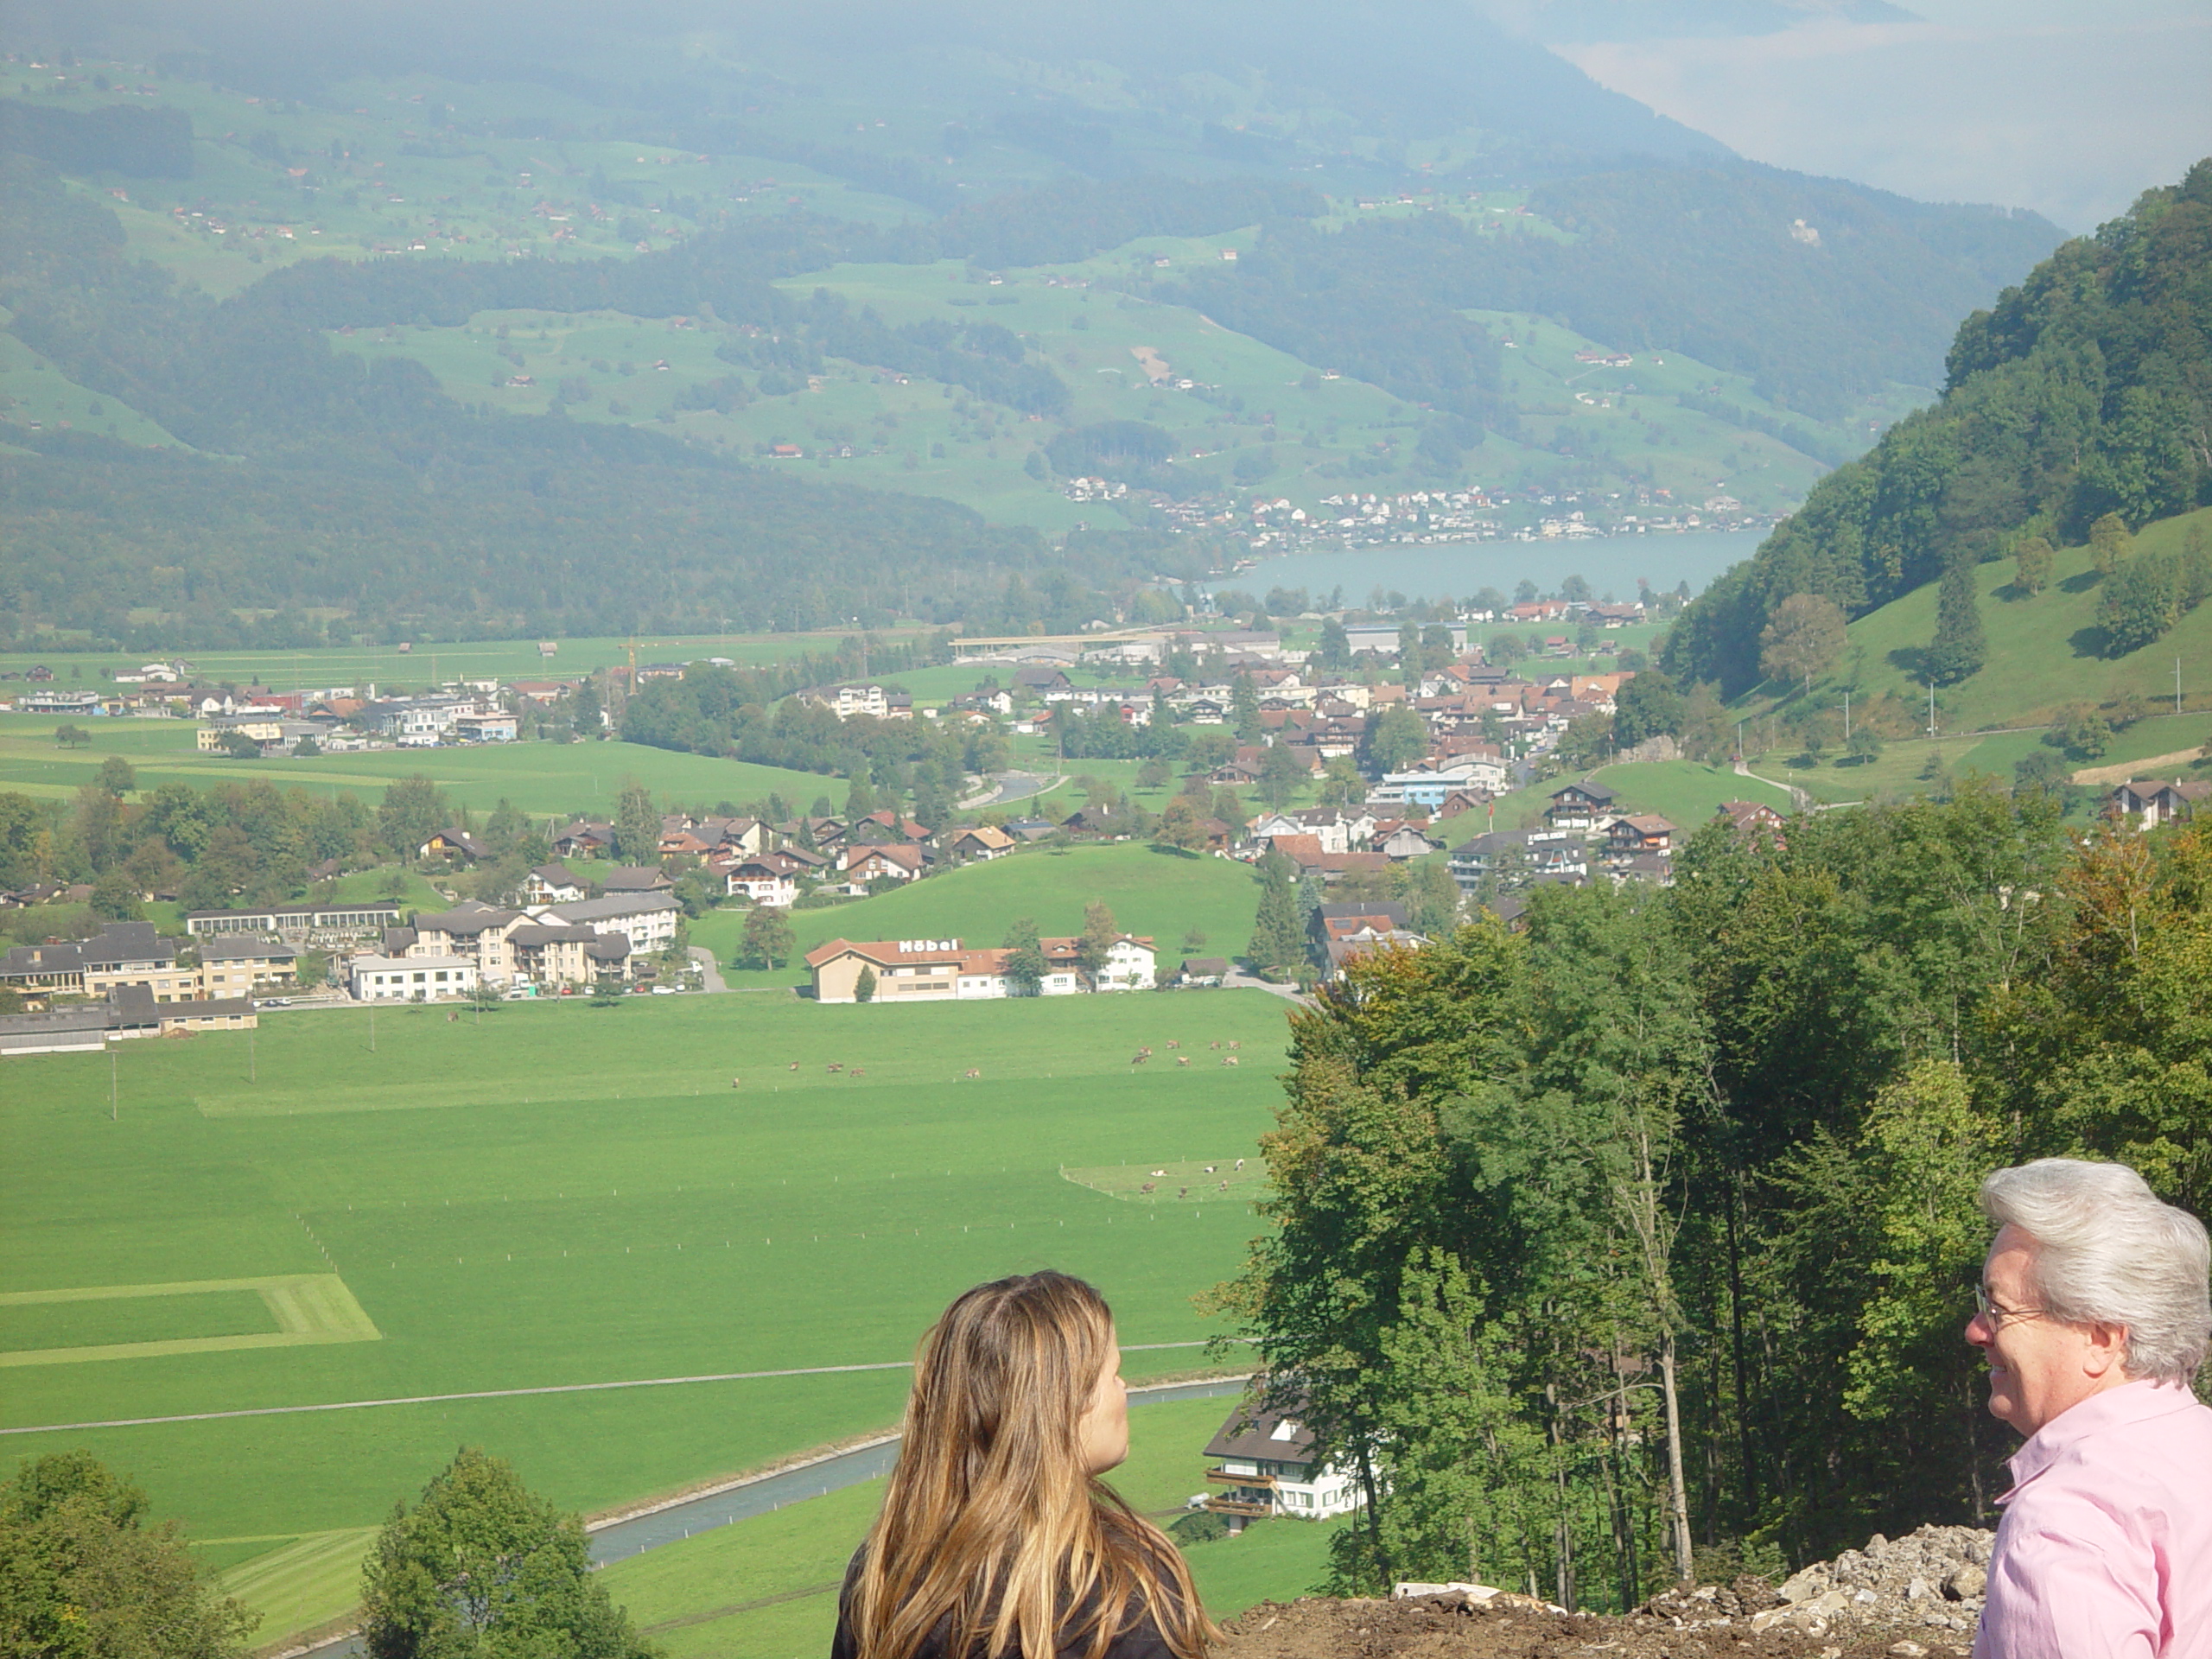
997 1538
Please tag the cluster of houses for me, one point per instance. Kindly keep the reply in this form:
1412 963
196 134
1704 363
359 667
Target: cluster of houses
1585 835
127 981
338 718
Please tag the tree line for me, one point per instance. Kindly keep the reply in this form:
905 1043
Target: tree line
1641 1239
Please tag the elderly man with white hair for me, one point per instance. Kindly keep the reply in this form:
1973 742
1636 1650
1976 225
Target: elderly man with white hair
2093 1317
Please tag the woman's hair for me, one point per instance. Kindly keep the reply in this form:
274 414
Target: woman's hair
992 1525
2107 1251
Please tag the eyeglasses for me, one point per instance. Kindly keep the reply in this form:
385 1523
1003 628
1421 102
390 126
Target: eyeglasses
1997 1318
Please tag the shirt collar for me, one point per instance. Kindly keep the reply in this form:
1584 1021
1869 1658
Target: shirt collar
2140 1402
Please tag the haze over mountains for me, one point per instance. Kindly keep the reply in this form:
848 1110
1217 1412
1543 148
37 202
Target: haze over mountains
1413 196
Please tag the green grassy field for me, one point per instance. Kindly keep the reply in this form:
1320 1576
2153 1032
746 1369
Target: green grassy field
564 1194
1160 893
426 664
543 780
766 1589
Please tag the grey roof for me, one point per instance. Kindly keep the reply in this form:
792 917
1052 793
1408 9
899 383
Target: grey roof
469 917
238 947
608 947
614 906
635 878
560 873
397 939
25 959
126 942
1255 1434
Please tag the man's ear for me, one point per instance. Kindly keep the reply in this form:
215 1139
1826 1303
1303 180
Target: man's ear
2106 1349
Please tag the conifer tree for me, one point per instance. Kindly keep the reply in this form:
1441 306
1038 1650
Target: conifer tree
1958 647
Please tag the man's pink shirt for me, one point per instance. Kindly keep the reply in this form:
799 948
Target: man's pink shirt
2105 1550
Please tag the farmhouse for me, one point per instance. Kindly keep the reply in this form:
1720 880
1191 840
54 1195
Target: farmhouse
937 970
984 841
2153 803
553 884
1638 833
1265 1462
1578 806
900 863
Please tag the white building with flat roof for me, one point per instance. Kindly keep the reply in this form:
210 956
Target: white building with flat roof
411 979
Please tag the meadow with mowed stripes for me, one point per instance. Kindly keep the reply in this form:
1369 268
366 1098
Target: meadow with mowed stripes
279 1277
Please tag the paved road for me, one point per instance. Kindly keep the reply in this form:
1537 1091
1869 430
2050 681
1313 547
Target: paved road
1236 979
709 969
1012 787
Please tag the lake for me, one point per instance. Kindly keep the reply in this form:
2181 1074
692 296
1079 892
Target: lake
1609 563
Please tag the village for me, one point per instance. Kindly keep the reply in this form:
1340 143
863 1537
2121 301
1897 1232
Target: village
1404 754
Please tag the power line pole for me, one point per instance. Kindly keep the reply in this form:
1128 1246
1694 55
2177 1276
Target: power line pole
2177 685
1931 708
1846 717
113 1110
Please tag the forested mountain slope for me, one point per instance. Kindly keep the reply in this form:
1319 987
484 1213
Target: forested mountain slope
2086 390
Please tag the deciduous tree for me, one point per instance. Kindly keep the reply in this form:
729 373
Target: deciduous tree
1803 639
481 1568
86 1577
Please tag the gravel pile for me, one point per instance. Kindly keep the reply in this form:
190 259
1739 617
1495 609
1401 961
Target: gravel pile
1930 1581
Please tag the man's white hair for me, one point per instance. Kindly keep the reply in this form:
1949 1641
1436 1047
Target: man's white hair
2107 1251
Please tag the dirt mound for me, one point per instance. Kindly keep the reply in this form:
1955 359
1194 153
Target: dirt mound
1918 1596
1454 1625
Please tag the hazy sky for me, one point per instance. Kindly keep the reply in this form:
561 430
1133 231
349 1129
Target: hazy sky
2071 107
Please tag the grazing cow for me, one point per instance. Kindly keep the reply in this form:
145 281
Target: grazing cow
1229 1060
1147 1187
1209 1169
1240 1163
1182 1059
1171 1043
1235 1044
1225 1187
794 1065
1140 1057
1182 1192
857 1072
836 1065
1213 1045
1158 1174
975 1070
737 1083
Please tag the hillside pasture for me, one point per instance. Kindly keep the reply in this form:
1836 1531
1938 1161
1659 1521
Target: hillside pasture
2043 652
565 1198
